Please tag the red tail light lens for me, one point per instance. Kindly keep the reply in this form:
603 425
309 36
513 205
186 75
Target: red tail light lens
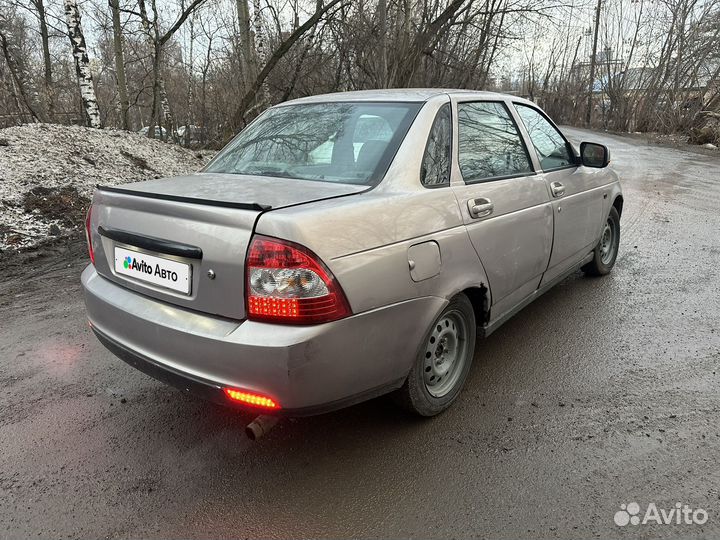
288 283
88 235
250 398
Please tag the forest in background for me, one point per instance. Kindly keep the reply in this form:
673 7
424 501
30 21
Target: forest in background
196 71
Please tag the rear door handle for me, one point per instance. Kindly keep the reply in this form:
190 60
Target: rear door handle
558 190
481 207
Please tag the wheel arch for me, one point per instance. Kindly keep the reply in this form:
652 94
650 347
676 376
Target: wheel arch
479 296
618 204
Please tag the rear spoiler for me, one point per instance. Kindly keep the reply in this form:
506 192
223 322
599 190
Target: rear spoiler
190 200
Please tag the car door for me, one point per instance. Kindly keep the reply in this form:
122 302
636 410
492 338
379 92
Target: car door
576 192
505 203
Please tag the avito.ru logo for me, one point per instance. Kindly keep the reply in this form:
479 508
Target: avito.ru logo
681 514
132 263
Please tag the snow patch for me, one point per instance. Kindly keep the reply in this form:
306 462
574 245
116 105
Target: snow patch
43 166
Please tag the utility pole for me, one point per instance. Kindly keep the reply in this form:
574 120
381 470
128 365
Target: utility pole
588 114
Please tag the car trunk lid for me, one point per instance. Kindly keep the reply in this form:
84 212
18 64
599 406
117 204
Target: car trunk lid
233 190
196 228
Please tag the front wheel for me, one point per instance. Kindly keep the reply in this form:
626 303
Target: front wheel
606 251
443 362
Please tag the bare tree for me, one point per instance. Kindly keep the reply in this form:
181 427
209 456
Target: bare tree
593 60
158 40
423 40
645 64
24 96
278 54
39 6
247 47
382 53
120 64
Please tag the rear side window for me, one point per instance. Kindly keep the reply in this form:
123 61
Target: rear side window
551 147
435 170
489 144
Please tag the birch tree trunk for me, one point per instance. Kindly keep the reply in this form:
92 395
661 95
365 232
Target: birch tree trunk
260 49
169 120
82 64
120 65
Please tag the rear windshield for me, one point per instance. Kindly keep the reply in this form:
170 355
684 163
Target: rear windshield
351 143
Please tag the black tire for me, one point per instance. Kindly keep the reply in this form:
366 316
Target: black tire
416 395
606 251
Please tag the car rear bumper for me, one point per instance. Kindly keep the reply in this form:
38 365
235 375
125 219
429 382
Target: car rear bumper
306 369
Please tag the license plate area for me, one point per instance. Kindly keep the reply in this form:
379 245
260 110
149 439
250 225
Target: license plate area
153 270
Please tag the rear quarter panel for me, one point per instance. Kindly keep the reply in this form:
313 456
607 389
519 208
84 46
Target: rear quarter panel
364 238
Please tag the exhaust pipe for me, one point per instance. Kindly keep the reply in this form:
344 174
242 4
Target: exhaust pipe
260 427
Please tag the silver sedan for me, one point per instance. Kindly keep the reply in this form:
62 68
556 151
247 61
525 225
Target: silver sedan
346 246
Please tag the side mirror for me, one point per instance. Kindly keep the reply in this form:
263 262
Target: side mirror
594 155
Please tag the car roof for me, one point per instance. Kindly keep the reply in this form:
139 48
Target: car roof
401 95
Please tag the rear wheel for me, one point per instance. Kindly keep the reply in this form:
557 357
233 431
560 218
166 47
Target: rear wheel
606 251
443 361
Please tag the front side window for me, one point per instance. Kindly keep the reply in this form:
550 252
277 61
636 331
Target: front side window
349 143
551 148
489 144
435 169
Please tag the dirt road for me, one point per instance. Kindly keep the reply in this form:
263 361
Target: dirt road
601 393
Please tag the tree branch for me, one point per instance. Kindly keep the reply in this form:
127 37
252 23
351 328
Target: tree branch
285 46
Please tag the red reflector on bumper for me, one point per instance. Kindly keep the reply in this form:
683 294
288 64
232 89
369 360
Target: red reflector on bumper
256 400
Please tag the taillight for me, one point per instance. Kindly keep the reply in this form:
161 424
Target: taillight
288 283
250 398
88 235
